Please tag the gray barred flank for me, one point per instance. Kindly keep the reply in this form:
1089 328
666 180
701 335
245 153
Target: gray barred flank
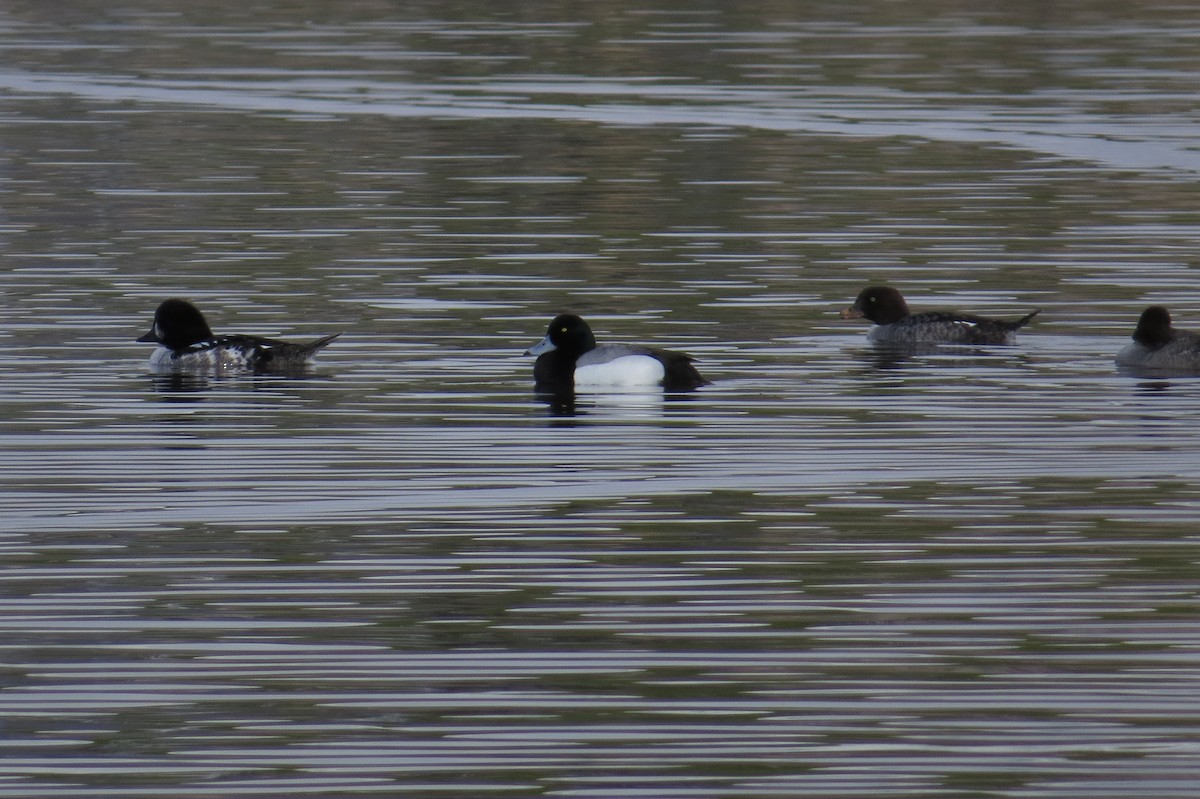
948 328
946 332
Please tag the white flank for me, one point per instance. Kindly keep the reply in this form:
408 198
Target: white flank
628 370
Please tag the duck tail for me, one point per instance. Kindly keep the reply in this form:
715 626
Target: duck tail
313 347
285 357
1024 320
682 375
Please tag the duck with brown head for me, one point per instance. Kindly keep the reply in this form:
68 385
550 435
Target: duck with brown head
1157 346
895 324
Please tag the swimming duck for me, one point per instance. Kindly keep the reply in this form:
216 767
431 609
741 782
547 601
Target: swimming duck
569 358
894 324
186 343
1157 345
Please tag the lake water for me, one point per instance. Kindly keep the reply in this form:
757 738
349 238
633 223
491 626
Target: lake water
965 573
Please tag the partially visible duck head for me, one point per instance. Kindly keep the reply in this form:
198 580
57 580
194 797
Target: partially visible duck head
1154 327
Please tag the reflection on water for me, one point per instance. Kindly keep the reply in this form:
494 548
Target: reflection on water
839 570
181 386
628 404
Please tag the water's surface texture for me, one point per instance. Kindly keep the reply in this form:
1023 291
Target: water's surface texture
964 573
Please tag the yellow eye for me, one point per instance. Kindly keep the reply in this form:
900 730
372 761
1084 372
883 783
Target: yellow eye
562 330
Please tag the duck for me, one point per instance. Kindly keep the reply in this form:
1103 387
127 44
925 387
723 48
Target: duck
1158 345
569 358
187 343
894 324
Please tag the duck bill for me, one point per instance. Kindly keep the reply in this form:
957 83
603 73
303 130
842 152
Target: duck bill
150 336
545 345
853 312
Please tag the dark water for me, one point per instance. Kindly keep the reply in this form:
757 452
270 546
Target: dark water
964 573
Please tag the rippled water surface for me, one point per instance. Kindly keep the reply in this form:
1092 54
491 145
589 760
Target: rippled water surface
831 573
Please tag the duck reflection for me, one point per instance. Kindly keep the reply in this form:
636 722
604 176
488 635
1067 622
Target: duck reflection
1151 387
643 403
892 356
562 404
190 386
887 357
180 386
